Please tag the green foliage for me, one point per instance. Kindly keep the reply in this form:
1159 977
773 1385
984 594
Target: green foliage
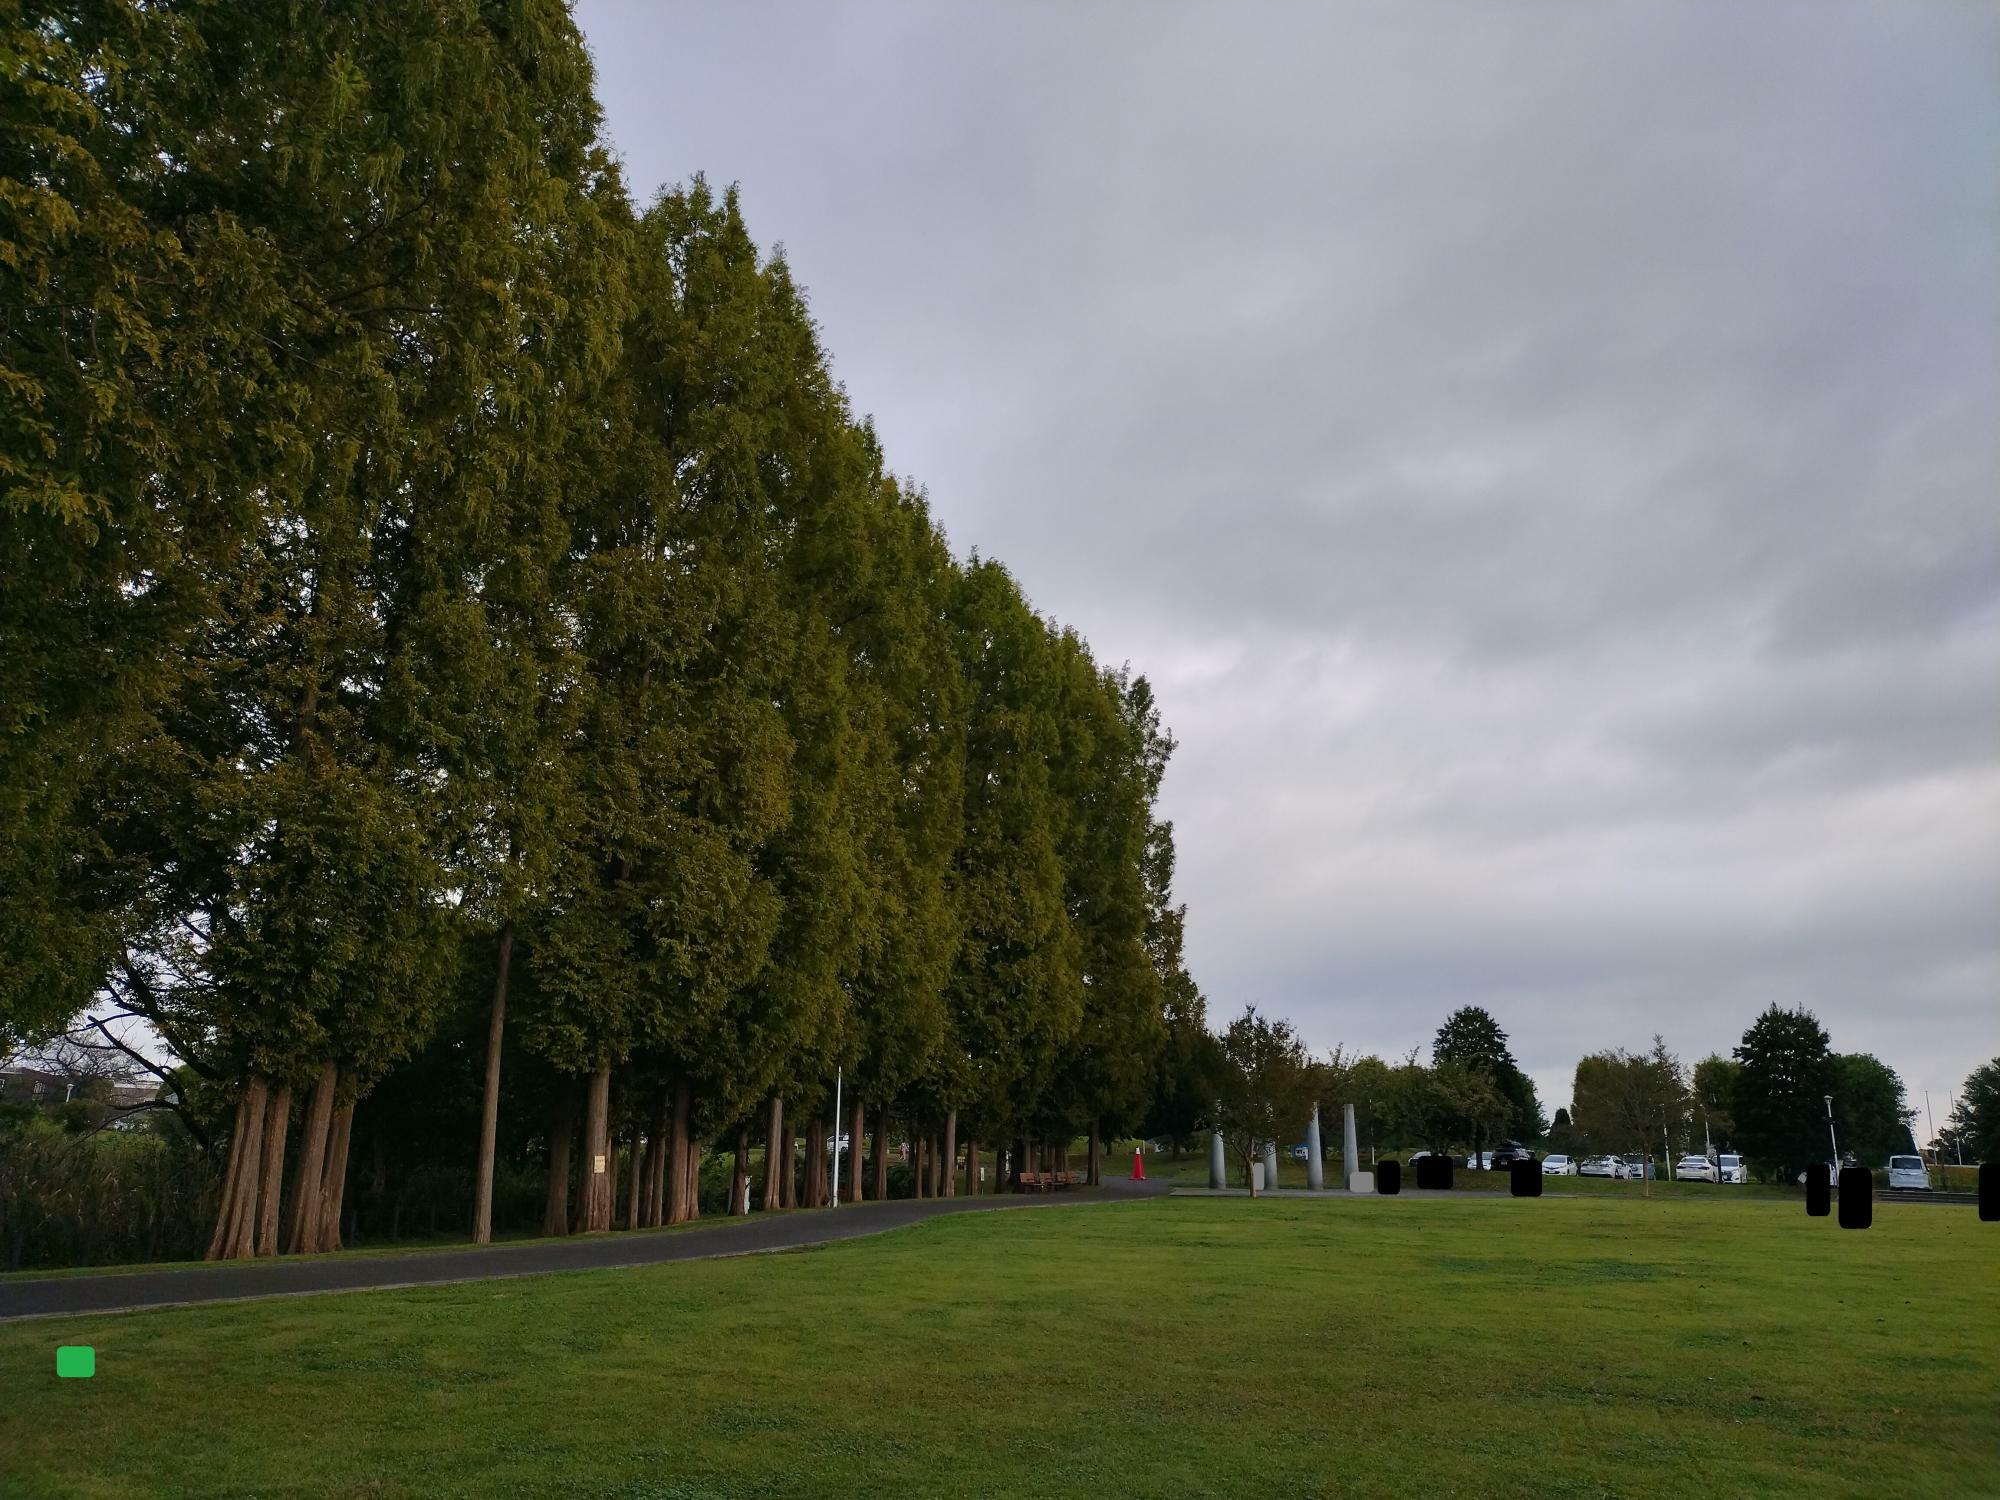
405 541
1015 994
1627 1102
1715 1083
70 1199
1974 1130
1870 1114
1780 1094
1471 1039
1267 1083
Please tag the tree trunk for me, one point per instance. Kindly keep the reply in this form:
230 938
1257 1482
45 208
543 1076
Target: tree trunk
677 1154
739 1189
794 1166
489 1104
818 1194
855 1135
333 1182
879 1155
951 1154
693 1179
562 1126
774 1155
236 1215
1094 1173
310 1169
596 1214
919 1179
972 1166
231 1175
656 1161
277 1120
635 1185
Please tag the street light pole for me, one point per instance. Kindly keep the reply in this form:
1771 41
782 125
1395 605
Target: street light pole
836 1134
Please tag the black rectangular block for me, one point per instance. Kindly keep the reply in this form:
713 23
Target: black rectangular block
1857 1197
1819 1190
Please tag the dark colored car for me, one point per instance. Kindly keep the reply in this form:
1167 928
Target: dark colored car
1508 1152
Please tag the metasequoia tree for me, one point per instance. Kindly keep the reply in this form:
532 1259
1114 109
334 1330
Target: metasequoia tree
443 607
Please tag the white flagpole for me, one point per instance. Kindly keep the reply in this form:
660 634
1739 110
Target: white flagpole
836 1137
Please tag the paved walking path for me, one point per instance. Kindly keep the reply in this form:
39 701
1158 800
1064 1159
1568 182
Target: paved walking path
236 1281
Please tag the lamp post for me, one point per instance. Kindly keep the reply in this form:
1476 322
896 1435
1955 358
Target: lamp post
837 1075
1831 1138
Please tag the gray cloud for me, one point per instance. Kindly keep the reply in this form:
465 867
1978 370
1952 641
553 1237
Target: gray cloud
1547 458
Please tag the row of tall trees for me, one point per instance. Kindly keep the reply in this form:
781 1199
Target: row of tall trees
435 589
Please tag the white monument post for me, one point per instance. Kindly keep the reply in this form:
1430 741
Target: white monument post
1315 1160
1358 1181
1218 1161
1271 1166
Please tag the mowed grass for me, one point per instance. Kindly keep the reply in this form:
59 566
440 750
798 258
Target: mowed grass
1171 1347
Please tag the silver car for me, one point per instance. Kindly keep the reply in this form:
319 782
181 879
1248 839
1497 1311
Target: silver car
1558 1166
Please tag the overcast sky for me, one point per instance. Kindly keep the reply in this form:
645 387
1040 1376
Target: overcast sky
1547 457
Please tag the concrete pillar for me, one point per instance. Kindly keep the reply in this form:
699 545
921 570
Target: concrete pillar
1358 1181
1218 1161
1315 1162
1270 1164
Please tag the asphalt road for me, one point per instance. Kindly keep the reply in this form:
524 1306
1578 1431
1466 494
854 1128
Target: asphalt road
235 1281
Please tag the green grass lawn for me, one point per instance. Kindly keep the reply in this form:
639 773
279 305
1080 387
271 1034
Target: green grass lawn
1176 1347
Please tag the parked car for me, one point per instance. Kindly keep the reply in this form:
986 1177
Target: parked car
1301 1152
1483 1162
1507 1153
1601 1166
1730 1168
843 1143
1694 1169
1559 1165
1637 1167
1908 1172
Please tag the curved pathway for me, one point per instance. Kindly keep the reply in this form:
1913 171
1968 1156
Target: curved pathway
235 1281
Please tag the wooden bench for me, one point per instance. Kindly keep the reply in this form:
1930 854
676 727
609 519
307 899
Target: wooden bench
1048 1182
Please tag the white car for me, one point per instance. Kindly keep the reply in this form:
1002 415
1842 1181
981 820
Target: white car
1483 1162
1908 1172
1558 1166
1602 1166
1694 1169
1731 1168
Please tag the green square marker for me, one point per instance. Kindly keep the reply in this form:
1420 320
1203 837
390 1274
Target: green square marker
75 1362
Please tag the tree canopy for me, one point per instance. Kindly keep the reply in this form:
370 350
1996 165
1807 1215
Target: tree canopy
435 590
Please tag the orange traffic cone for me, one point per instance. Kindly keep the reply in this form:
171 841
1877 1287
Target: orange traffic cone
1138 1164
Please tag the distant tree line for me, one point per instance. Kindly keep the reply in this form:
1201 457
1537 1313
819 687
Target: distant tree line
1766 1101
470 683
